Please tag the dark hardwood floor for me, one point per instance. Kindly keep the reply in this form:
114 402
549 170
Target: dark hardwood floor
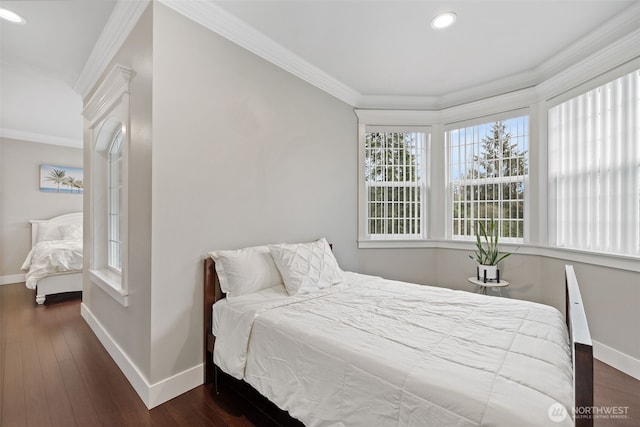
55 372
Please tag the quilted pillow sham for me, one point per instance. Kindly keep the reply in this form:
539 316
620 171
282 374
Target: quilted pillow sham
244 271
306 267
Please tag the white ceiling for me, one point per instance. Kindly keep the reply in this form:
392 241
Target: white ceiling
40 63
389 47
378 53
386 50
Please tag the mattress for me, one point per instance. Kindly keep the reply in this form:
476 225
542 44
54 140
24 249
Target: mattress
371 351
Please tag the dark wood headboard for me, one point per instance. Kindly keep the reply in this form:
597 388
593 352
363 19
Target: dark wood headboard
212 293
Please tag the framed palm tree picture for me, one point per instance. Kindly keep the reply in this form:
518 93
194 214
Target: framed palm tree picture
61 179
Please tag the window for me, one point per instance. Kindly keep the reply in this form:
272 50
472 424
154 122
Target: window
488 168
594 169
107 120
394 182
114 252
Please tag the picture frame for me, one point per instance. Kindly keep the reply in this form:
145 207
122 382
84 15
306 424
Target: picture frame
61 179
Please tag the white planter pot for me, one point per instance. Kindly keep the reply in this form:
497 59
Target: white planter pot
491 272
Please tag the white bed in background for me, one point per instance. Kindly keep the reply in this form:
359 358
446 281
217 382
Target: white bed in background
54 264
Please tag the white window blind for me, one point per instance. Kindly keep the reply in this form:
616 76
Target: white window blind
114 240
488 167
395 182
594 169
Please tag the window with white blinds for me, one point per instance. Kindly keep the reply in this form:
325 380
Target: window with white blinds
594 169
114 239
395 182
488 168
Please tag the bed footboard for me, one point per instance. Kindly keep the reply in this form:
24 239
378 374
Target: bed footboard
581 348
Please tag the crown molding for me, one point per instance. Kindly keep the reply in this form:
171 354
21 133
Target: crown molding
396 117
218 20
614 32
609 34
114 85
40 138
123 19
621 51
492 89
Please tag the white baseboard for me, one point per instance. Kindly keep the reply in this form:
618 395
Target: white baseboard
14 278
171 387
151 395
621 361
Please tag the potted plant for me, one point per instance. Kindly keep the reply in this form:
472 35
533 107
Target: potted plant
487 254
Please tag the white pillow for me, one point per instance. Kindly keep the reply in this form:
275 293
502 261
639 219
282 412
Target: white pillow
48 232
70 231
306 267
244 271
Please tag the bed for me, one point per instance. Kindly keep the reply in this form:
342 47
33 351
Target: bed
370 351
54 263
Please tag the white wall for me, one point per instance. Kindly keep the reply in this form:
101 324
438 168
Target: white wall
22 200
244 153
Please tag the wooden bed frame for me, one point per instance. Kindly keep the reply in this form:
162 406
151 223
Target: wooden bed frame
582 350
57 283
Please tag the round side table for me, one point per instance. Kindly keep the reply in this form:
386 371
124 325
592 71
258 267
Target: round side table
482 286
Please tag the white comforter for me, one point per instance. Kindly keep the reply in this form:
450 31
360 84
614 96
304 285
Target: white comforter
51 257
378 352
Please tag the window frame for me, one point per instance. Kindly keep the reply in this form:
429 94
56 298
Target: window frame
107 114
551 229
400 121
114 235
487 120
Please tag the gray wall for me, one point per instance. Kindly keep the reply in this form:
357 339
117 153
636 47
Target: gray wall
22 200
244 153
130 326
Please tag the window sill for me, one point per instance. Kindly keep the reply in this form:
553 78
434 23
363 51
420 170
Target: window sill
397 244
620 262
111 283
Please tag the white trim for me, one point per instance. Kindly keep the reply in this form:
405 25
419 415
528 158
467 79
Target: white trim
123 19
605 39
175 385
111 283
612 56
617 359
112 88
40 138
218 20
126 365
396 244
151 395
396 117
495 105
11 279
516 83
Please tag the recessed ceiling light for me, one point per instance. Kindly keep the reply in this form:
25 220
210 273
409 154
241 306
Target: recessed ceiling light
11 16
443 20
